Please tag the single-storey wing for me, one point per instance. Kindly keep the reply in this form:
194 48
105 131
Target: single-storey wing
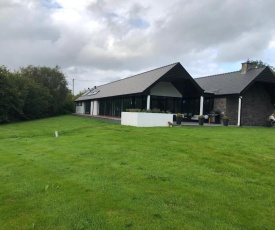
161 88
246 96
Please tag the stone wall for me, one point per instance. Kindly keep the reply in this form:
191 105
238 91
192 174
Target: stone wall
229 107
220 104
256 106
232 109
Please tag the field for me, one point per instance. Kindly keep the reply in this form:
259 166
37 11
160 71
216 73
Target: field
98 175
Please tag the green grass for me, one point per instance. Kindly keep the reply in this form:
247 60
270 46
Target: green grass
98 175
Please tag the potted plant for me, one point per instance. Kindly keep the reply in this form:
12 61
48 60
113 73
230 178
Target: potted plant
201 119
179 118
225 120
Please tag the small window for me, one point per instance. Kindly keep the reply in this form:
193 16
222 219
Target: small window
79 103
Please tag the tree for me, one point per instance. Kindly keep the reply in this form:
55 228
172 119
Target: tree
12 96
36 101
259 64
53 80
33 92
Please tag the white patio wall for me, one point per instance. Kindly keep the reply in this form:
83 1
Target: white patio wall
146 119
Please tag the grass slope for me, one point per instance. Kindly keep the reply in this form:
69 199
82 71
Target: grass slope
97 175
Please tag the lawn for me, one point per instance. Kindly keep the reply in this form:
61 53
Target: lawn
99 175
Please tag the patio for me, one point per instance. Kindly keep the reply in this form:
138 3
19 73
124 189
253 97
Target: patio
118 120
193 123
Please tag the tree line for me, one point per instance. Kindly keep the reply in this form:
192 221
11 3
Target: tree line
32 93
39 92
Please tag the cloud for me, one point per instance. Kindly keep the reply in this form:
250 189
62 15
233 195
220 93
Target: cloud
102 40
51 4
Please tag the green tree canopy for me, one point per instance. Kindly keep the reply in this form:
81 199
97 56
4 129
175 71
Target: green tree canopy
33 92
259 63
12 96
52 79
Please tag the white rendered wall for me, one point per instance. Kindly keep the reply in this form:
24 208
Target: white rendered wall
148 102
146 119
95 108
201 105
92 107
79 109
165 89
239 110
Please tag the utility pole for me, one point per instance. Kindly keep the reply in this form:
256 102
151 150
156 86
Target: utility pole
73 87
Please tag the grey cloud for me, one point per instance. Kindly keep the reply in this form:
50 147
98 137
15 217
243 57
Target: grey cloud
136 35
193 26
20 22
248 45
136 16
115 24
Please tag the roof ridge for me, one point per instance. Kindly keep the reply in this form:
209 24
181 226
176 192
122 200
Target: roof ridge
140 73
214 75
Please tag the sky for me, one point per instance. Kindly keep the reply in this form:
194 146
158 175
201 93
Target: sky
99 41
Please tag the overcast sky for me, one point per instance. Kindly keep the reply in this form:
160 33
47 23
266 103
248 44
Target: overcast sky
98 41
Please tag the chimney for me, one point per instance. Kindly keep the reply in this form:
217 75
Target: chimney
247 66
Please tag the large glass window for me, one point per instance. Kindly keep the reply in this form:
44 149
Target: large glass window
114 106
178 108
166 104
208 105
170 105
196 109
190 106
87 107
138 102
185 107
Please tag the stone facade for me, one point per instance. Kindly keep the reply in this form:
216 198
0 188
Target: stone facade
256 106
232 109
220 104
229 107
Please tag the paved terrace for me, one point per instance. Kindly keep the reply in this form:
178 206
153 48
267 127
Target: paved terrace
117 120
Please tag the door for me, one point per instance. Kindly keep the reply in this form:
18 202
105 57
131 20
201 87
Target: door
87 107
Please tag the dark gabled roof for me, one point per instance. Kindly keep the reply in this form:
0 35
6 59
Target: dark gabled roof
234 82
138 83
130 85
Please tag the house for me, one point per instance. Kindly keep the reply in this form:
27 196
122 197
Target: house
246 96
163 88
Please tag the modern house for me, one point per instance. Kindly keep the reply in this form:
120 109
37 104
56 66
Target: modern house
246 96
